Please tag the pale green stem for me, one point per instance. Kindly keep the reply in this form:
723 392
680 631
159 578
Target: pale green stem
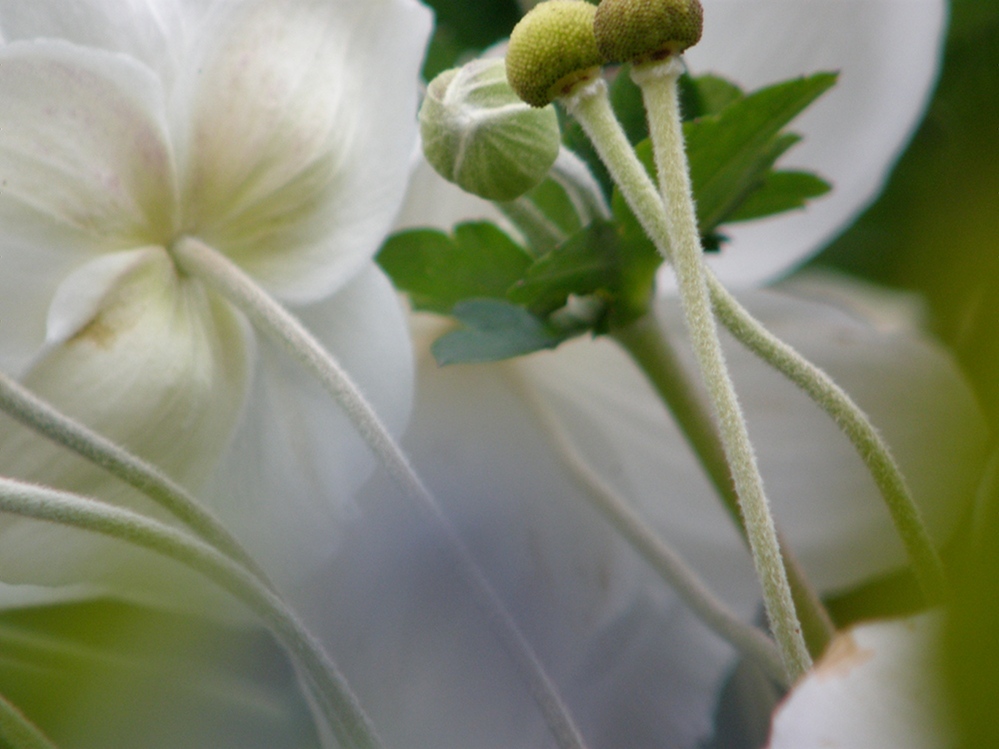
649 348
340 708
540 232
667 563
215 270
869 443
677 228
21 404
17 732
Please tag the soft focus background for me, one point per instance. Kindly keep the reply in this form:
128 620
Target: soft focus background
935 230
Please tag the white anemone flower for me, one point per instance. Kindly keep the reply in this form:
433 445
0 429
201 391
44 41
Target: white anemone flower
276 131
636 667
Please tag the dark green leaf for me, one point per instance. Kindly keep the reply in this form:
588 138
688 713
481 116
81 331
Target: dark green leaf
731 152
780 191
494 330
438 271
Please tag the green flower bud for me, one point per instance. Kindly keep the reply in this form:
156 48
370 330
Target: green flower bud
551 50
478 134
646 30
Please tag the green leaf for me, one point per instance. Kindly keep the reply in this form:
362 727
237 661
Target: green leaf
494 330
714 93
731 152
437 271
586 263
780 191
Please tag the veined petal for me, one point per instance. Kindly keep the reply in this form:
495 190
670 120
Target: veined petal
84 169
425 661
303 120
84 159
286 482
887 52
878 685
821 494
162 370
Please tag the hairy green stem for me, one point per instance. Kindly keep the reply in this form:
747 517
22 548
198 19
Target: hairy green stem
676 227
215 270
870 445
340 708
21 404
645 341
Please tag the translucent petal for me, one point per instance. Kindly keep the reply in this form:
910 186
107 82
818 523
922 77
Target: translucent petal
401 622
162 370
820 491
286 482
876 686
294 166
887 52
84 169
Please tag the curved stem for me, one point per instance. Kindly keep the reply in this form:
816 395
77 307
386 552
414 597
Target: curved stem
677 228
341 709
753 643
869 443
645 341
201 261
18 732
20 403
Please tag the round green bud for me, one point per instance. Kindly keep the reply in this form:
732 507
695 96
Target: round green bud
646 30
478 134
551 50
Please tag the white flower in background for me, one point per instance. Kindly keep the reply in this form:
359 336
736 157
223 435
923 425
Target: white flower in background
635 666
877 686
278 132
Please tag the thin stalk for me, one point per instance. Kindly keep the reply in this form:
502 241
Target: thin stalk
20 403
677 227
868 442
541 233
667 563
340 707
215 270
17 732
645 341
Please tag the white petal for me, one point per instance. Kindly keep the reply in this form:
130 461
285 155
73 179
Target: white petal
84 169
888 55
875 687
147 30
286 482
403 625
161 370
820 491
303 121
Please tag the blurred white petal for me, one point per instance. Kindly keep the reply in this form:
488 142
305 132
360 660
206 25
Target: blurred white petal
632 663
286 484
888 55
821 493
876 686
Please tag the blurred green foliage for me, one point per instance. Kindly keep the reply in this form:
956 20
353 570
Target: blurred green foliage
935 230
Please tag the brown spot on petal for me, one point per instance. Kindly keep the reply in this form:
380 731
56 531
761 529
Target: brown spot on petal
843 656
